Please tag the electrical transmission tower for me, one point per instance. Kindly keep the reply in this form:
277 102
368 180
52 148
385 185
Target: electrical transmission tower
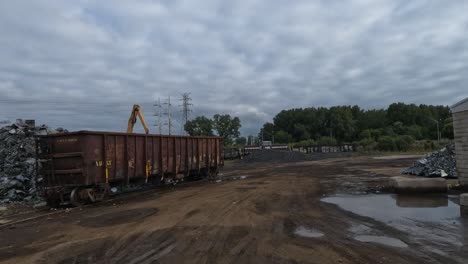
186 104
158 114
168 113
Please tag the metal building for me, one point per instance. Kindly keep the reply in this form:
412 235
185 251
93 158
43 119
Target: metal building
460 127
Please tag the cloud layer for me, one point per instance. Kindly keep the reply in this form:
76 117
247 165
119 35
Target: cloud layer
83 64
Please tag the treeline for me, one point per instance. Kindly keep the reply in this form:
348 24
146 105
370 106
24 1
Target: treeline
393 128
224 126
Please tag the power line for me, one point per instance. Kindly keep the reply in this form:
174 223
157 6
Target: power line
168 114
186 99
158 113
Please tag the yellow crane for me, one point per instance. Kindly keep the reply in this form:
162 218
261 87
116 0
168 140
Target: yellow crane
136 111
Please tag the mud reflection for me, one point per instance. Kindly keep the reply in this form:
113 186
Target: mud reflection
433 221
383 240
307 232
391 207
426 201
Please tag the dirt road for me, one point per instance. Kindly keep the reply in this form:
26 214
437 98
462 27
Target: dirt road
259 213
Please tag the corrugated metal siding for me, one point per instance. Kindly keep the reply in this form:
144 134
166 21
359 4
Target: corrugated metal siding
85 158
460 126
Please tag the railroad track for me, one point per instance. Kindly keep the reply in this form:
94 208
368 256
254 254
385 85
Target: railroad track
10 220
27 216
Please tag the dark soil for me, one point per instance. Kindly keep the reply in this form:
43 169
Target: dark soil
248 220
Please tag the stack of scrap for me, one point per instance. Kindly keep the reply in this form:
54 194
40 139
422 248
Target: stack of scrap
436 164
18 160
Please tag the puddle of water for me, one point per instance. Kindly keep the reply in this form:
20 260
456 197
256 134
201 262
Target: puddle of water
383 240
388 208
432 221
307 232
361 229
368 233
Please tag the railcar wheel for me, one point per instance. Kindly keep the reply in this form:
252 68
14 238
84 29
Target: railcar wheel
211 173
91 195
76 199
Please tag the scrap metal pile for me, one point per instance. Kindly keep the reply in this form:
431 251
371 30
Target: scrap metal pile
436 164
18 161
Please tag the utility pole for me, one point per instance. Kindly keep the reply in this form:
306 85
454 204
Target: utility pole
158 113
186 99
438 130
168 114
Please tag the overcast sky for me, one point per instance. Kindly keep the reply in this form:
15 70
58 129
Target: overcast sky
83 64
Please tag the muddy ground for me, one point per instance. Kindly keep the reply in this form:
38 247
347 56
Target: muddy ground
258 213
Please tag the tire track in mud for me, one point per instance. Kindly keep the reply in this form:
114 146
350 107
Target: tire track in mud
221 233
216 230
231 223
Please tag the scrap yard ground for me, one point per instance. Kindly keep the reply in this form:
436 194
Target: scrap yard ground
261 212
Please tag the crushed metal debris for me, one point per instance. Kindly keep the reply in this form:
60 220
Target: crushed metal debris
18 161
440 163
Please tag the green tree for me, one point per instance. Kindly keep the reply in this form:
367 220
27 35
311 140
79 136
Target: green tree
227 127
326 141
351 123
447 129
372 119
399 128
200 126
414 131
403 143
282 137
301 132
386 143
267 130
342 124
366 134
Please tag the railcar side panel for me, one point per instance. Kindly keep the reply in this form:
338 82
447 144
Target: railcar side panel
88 158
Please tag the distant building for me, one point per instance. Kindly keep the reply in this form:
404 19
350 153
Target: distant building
266 144
460 128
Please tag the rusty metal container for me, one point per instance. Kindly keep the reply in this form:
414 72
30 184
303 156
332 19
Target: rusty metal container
88 158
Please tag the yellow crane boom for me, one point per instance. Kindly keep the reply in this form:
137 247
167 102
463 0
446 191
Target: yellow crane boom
136 111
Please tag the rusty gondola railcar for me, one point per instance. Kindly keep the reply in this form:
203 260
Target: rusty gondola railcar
83 166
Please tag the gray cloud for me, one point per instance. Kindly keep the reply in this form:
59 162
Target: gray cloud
83 64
